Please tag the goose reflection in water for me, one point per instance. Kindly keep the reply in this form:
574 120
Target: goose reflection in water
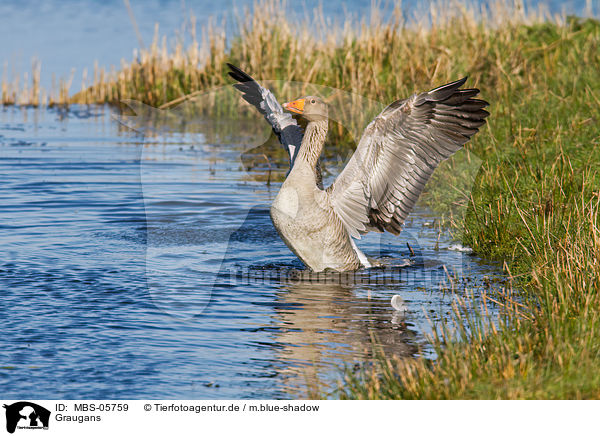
325 323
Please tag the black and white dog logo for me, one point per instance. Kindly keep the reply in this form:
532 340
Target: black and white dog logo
26 415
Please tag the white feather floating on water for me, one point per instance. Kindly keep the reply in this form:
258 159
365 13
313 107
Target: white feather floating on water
398 303
461 248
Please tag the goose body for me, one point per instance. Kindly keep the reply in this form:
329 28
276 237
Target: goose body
308 224
398 152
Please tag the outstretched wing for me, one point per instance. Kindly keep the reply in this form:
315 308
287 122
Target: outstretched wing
397 154
284 125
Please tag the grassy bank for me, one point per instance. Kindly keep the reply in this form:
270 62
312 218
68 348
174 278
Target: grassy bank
535 206
535 201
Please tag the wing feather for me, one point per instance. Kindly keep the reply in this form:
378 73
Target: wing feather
398 153
286 128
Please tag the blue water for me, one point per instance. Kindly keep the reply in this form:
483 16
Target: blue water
133 267
69 36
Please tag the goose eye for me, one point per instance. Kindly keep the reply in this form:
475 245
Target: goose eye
313 101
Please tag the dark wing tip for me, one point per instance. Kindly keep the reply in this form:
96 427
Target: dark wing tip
234 69
458 83
452 85
442 92
250 89
238 74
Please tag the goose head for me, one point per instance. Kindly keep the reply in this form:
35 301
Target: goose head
312 108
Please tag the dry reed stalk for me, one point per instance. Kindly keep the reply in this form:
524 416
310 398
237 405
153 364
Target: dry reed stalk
357 55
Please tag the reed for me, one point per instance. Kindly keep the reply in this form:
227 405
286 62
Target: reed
377 58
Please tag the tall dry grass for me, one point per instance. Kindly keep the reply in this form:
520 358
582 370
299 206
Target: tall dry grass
379 57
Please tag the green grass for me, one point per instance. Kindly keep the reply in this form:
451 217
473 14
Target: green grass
534 206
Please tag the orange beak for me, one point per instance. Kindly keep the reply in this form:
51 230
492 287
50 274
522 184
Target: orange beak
296 106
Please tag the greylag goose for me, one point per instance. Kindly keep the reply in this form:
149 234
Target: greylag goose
380 184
